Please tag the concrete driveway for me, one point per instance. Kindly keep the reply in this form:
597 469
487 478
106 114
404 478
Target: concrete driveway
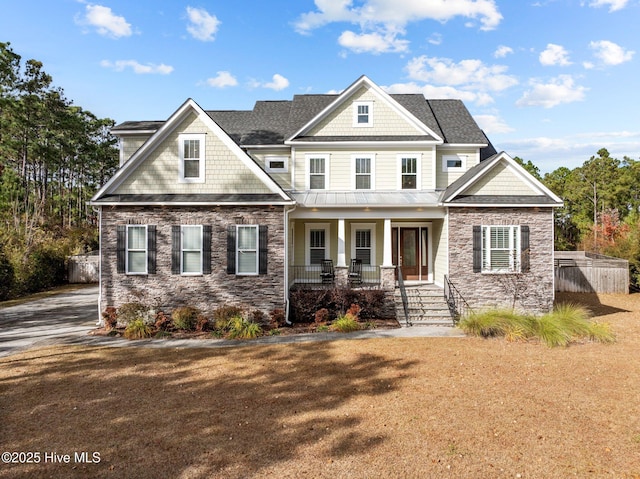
67 315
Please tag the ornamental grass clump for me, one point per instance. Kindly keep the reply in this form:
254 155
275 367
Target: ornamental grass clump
185 318
138 329
241 328
567 323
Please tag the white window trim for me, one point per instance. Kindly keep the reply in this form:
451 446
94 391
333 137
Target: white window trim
463 163
283 158
369 123
182 250
418 157
307 240
514 249
146 251
308 157
372 174
257 250
364 226
201 137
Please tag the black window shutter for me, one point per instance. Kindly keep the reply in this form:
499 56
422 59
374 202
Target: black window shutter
263 244
477 249
524 248
206 249
175 249
231 249
121 251
151 249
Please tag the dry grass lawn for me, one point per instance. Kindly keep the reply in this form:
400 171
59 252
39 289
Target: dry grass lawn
392 408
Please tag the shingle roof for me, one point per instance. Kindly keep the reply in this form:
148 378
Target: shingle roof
271 122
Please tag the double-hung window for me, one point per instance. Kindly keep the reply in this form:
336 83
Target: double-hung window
191 249
363 172
363 246
247 249
191 149
317 245
136 249
501 248
363 113
409 172
318 166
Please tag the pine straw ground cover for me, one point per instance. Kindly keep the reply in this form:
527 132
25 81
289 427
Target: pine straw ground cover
392 408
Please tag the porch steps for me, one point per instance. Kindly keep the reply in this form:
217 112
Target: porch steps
427 306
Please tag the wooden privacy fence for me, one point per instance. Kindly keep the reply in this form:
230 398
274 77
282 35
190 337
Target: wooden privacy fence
84 268
583 272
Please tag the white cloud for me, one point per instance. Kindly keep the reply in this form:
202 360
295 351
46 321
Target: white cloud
138 68
554 55
613 4
559 90
435 39
610 53
472 74
203 26
105 21
433 92
223 79
372 42
278 83
386 19
492 124
502 51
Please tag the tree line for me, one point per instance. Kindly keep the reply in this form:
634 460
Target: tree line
601 211
53 157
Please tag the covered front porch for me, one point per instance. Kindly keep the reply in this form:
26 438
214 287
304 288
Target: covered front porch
361 246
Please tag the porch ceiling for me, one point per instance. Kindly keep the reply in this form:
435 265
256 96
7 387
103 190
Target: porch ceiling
332 199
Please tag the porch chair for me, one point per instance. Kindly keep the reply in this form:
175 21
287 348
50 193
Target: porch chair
327 274
355 272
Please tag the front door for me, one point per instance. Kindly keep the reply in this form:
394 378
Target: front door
410 253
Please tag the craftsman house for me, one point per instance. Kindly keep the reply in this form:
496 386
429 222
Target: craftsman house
238 207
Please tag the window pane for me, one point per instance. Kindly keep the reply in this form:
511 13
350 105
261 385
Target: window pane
363 165
500 259
247 237
408 182
276 165
137 261
500 237
316 165
454 163
316 182
316 255
191 168
364 255
363 182
363 238
409 166
191 262
247 261
136 237
191 237
316 238
191 148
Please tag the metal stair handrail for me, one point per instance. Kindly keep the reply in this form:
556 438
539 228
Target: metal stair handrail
403 295
458 306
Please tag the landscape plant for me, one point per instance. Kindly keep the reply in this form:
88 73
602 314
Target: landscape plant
185 318
138 329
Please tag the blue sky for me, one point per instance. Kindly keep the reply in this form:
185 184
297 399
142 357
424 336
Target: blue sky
551 81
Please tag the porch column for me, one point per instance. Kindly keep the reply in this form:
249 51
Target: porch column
386 254
342 258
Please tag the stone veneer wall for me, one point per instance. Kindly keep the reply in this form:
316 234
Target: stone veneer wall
206 292
484 290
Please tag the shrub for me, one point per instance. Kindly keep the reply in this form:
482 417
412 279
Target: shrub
306 302
132 311
185 318
354 311
202 323
110 316
322 315
137 329
223 314
44 269
163 322
257 316
277 318
345 324
241 328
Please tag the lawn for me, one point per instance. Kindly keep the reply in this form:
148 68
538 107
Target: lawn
392 408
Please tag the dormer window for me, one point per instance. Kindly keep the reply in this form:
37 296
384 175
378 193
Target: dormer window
363 113
191 153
